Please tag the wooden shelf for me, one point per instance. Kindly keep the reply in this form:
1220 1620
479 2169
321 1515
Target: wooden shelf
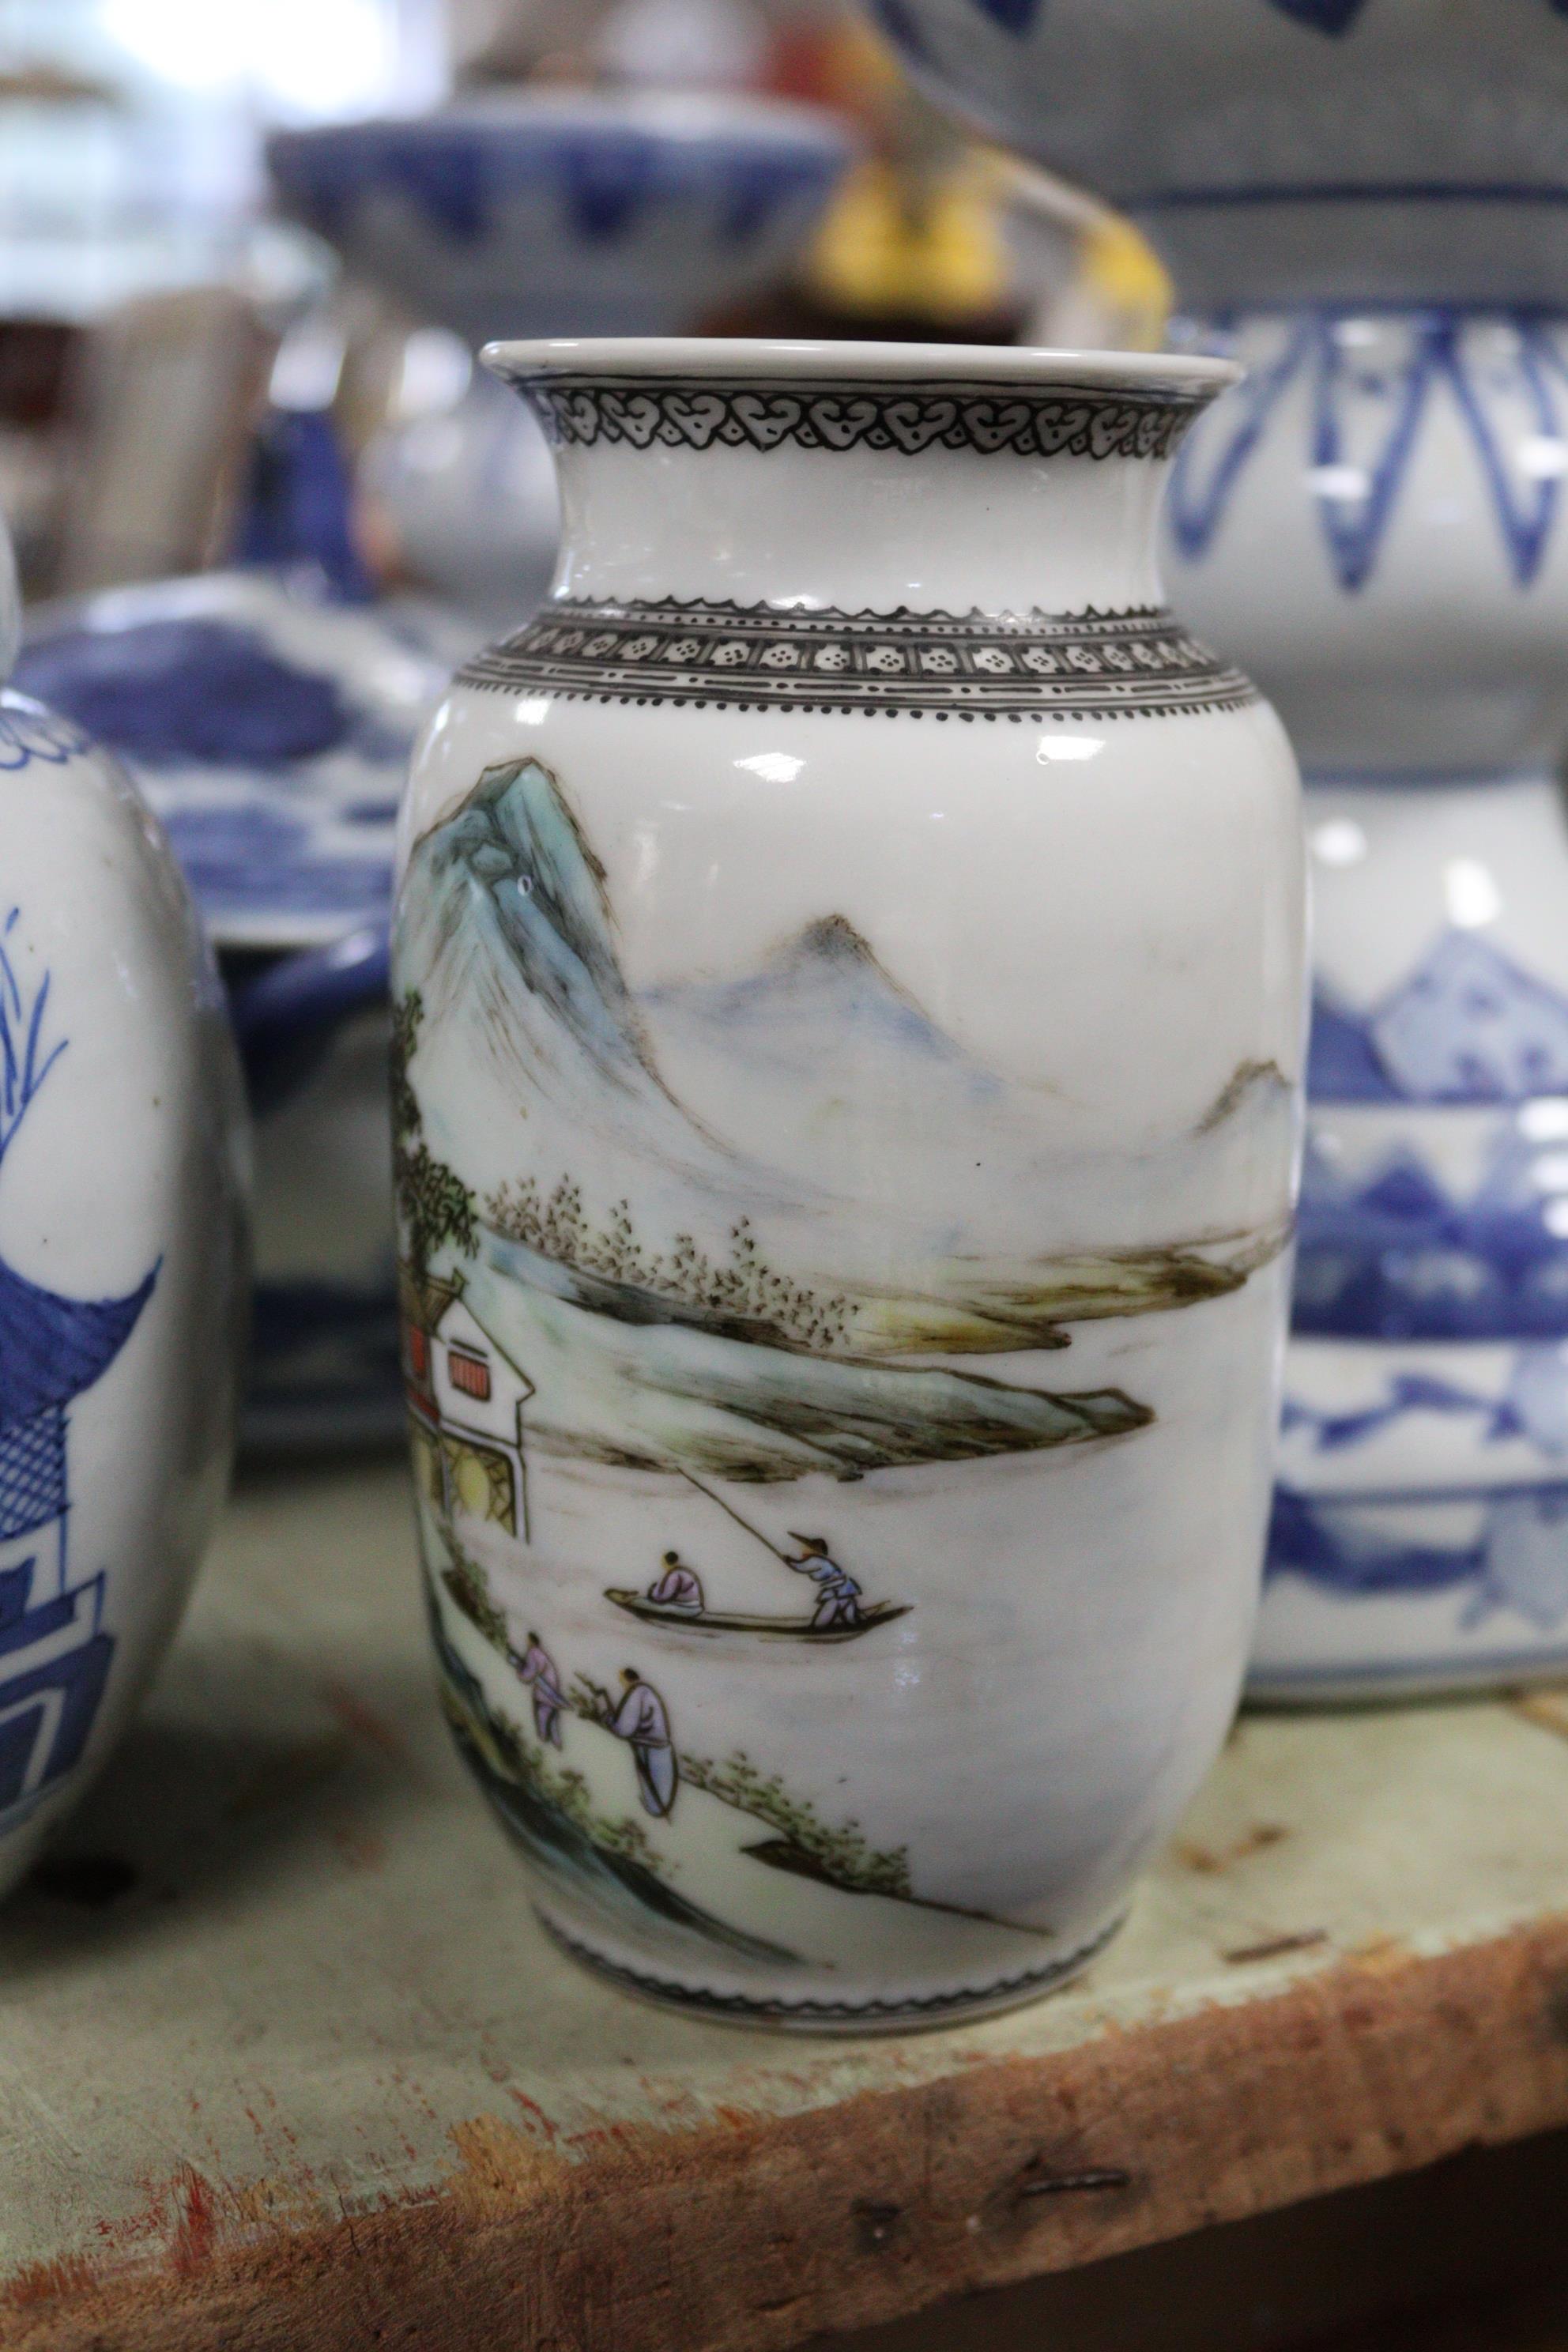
285 2061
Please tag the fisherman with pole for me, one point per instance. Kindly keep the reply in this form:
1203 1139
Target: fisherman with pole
838 1593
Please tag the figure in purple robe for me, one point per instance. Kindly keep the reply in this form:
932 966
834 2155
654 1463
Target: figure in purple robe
536 1668
677 1587
641 1721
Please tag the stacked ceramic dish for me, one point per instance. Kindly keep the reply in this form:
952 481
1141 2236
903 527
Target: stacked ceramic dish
1363 200
545 212
270 724
270 730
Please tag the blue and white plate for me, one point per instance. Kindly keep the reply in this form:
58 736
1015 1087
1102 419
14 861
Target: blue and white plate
270 729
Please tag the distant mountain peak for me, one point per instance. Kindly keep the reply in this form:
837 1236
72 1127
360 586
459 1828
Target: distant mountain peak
833 937
1249 1080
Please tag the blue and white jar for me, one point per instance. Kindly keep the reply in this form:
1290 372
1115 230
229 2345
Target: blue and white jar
121 1259
1364 200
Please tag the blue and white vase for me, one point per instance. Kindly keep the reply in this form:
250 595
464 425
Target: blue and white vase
1364 201
121 1259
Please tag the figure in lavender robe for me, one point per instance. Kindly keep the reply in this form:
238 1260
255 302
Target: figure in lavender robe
640 1720
677 1587
536 1668
837 1594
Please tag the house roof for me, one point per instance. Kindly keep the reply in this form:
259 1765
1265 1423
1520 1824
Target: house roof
425 1302
52 1348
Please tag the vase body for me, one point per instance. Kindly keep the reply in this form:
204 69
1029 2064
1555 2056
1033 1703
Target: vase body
1396 480
120 1264
847 982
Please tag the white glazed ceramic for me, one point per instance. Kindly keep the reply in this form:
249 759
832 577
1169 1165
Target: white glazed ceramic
270 727
546 212
121 1293
848 985
1364 200
1397 479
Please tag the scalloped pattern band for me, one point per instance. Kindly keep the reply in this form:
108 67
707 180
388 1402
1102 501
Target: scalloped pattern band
905 419
1086 665
808 2012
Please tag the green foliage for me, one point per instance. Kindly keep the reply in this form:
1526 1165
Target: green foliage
784 1312
566 1791
434 1204
840 1855
467 1583
407 1013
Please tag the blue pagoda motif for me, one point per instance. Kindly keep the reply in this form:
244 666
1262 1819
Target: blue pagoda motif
54 1655
54 1652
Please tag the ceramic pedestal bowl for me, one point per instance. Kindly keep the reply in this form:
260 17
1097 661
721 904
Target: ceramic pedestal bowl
546 213
1363 200
270 731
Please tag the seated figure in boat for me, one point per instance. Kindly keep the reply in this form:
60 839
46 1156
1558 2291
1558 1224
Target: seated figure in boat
837 1594
677 1587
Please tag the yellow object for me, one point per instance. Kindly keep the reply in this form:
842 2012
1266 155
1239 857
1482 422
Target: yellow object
1121 271
933 247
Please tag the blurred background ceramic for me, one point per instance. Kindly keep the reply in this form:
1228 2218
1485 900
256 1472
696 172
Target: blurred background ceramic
269 726
544 212
122 1264
1363 200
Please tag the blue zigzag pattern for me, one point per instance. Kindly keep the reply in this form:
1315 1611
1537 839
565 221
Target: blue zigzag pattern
1334 17
1356 526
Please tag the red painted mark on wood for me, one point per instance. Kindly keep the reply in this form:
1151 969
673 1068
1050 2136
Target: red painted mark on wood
531 2107
361 1720
197 2226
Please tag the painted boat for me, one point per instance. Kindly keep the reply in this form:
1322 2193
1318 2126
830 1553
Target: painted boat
792 1629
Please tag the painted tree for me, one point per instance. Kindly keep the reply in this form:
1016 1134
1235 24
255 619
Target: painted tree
26 1055
434 1204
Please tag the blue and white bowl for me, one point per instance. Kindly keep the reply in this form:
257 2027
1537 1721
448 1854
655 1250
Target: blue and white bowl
1232 129
271 728
567 213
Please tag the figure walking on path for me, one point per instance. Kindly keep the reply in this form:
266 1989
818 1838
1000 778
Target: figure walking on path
536 1668
677 1587
642 1721
837 1594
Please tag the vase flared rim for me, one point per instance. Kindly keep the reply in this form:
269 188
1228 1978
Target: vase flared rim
763 359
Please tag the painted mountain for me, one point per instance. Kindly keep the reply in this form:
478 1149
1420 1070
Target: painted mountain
1468 1026
1398 1257
569 1090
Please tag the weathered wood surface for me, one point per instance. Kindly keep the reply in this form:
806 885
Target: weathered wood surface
315 2080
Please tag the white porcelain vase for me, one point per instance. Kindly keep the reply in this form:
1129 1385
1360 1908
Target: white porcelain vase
120 1264
849 989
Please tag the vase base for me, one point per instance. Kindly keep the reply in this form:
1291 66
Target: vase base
785 2014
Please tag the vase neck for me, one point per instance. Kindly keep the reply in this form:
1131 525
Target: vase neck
953 493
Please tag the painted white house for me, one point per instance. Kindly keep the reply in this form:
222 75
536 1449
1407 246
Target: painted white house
467 1399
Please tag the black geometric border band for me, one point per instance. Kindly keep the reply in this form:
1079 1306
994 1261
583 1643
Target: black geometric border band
889 2014
987 419
943 664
